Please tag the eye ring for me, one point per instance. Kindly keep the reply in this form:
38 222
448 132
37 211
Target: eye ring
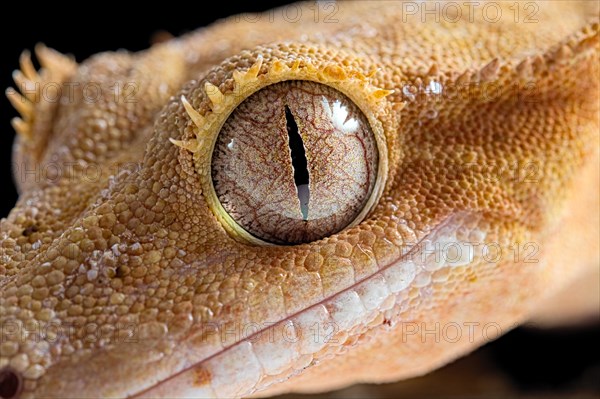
351 83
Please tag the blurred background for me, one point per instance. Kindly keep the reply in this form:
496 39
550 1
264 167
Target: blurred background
527 362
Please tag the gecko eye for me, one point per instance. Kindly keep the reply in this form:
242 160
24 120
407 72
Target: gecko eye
295 162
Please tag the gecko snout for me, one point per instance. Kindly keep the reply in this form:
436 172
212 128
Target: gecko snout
11 383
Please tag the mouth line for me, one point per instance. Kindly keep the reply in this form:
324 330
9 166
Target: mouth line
412 249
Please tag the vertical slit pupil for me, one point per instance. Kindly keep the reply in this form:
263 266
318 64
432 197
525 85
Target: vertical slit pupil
299 162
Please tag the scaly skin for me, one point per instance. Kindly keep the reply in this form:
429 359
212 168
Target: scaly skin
114 279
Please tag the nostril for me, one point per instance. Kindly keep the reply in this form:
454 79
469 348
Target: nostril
10 384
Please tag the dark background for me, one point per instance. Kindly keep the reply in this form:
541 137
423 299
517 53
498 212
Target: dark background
526 361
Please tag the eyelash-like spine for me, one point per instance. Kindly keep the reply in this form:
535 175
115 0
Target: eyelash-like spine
218 103
245 83
251 75
217 98
356 85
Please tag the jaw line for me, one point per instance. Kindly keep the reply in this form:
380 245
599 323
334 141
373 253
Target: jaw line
445 224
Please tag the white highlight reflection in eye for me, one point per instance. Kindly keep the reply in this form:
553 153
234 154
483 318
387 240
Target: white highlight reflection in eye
434 87
339 116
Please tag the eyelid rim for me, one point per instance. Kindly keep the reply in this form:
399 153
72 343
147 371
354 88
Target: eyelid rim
347 80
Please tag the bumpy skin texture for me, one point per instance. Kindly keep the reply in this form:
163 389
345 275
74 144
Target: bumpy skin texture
129 267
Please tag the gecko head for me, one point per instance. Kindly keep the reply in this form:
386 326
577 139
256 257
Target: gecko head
253 214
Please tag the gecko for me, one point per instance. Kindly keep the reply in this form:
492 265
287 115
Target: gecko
299 200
